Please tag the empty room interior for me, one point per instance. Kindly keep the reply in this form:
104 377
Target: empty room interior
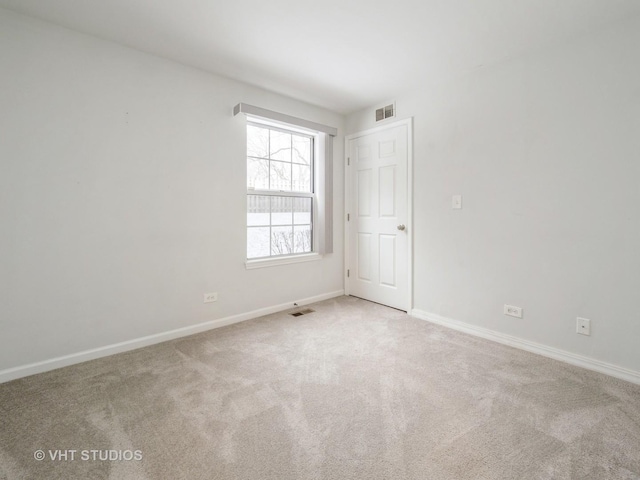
295 240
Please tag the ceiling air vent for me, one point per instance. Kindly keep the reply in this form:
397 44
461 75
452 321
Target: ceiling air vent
383 113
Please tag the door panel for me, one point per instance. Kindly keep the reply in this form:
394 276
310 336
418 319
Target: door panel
388 260
364 193
364 255
378 200
387 196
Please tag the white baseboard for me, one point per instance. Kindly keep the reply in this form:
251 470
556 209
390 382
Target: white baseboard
66 360
546 351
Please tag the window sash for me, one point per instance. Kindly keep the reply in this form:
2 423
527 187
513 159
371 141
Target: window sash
281 193
311 165
292 226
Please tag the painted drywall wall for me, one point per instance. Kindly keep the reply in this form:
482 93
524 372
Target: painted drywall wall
545 150
122 196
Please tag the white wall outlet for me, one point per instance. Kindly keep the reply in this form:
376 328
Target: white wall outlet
583 326
513 311
210 297
456 202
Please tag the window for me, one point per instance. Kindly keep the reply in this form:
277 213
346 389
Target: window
289 187
280 191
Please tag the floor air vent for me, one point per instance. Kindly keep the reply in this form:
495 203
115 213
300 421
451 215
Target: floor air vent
302 312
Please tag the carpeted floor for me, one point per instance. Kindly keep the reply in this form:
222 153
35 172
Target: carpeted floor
353 391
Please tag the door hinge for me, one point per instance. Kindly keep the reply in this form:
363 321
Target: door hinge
348 217
348 161
348 273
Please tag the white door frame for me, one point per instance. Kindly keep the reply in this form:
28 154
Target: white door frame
347 200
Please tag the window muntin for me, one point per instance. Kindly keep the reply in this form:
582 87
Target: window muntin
280 193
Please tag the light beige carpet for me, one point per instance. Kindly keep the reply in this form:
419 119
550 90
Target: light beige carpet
353 391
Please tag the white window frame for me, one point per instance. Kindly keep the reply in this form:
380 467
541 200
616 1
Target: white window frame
322 176
288 257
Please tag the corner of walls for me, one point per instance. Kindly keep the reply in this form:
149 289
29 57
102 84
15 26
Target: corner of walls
122 196
540 148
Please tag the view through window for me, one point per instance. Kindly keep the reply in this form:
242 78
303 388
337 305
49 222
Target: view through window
280 191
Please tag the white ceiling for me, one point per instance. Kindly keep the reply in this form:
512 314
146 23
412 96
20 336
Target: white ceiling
340 54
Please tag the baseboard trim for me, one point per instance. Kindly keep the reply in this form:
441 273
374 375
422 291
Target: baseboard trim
544 350
66 360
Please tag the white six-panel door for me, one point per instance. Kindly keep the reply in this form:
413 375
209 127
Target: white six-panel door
378 236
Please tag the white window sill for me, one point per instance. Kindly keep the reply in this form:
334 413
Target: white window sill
272 262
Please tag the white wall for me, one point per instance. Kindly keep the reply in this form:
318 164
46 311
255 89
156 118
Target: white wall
545 150
122 196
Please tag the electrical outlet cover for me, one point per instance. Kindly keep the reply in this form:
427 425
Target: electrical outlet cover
583 326
513 311
210 297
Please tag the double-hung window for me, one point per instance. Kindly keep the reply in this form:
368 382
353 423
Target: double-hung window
289 187
281 197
